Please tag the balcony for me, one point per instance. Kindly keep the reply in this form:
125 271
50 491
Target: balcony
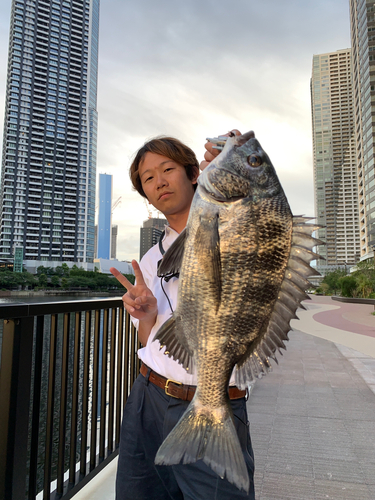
66 371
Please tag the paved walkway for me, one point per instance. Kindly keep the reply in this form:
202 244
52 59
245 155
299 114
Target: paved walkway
312 419
358 319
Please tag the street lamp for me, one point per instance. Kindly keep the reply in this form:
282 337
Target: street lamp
345 264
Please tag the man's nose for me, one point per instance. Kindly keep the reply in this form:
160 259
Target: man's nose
161 181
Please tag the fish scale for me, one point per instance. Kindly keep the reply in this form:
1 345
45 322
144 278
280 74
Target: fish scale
243 261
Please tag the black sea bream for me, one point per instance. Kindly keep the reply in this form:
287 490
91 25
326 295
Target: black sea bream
243 260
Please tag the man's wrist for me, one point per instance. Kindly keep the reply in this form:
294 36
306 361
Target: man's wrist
144 328
149 321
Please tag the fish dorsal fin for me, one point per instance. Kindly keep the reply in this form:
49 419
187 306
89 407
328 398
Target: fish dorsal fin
256 361
172 259
171 335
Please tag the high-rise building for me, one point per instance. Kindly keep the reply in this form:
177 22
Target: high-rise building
335 162
47 198
114 241
114 232
150 234
105 216
362 20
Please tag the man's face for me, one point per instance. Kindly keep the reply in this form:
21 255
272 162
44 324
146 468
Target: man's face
166 184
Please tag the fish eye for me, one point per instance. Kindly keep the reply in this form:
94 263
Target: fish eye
254 160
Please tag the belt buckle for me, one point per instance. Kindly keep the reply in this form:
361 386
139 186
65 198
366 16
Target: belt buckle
167 384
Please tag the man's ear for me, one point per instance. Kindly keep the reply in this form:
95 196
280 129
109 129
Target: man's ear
195 176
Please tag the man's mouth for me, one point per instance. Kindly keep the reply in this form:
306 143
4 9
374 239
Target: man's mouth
164 195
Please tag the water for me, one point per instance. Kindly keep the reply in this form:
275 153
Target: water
54 298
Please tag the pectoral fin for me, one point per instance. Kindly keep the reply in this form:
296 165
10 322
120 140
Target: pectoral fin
172 336
172 259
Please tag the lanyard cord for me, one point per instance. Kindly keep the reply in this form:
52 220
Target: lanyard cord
165 293
166 278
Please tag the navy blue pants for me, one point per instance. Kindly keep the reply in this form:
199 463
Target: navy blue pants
149 416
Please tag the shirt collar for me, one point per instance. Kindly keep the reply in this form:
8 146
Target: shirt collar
169 231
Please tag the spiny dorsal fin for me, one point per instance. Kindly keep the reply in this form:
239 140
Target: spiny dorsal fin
305 240
298 219
292 292
303 253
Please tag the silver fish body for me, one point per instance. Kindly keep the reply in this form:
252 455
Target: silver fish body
242 277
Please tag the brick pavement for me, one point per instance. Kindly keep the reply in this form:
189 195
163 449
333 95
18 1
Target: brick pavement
313 426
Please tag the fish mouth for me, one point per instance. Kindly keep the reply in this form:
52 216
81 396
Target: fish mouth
217 196
240 140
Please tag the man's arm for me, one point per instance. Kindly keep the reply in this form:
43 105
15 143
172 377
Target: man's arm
139 301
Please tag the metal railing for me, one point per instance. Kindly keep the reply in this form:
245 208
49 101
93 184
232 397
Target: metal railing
66 371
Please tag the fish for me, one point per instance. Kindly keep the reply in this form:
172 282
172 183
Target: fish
243 262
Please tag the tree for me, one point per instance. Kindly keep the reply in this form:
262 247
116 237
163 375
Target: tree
364 286
42 280
79 271
79 282
64 283
348 286
332 279
9 280
322 289
55 281
59 271
65 268
130 277
366 267
29 279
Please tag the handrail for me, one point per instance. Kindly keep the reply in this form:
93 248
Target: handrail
23 309
66 371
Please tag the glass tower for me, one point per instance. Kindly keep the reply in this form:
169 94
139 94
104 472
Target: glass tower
334 153
47 197
105 216
362 21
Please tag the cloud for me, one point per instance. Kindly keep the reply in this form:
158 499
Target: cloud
197 68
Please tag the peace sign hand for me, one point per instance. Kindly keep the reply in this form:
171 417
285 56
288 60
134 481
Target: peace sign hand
139 301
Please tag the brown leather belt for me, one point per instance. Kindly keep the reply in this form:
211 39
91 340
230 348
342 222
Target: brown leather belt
182 391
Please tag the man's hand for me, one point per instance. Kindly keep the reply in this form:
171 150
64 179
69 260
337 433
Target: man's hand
211 153
139 301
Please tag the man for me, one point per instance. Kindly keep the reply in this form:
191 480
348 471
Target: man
165 171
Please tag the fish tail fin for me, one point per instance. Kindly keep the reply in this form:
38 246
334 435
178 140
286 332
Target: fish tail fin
210 436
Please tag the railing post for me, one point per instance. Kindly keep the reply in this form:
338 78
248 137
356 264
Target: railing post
15 378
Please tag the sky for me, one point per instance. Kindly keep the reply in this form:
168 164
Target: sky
198 68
